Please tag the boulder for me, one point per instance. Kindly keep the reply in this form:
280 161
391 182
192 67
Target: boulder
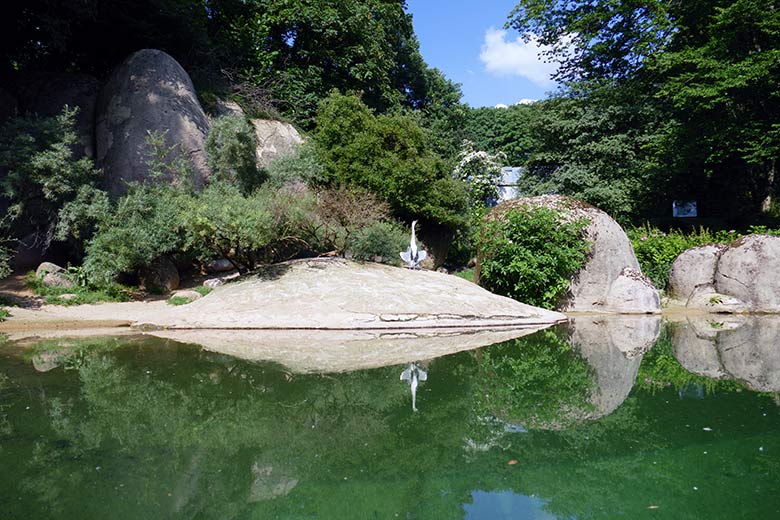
739 277
332 293
161 276
610 280
274 139
48 267
693 267
749 271
149 92
227 107
52 275
47 94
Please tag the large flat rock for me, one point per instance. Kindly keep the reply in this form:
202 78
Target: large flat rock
339 294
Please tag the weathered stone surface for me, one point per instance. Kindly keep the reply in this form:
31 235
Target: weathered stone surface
632 293
274 139
749 270
161 276
743 348
706 298
47 94
52 275
335 293
693 267
610 254
220 265
48 267
149 92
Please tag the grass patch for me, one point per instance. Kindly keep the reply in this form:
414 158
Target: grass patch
178 300
81 294
4 314
202 290
466 274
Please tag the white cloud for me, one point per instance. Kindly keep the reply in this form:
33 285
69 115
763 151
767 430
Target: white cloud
501 105
504 57
526 101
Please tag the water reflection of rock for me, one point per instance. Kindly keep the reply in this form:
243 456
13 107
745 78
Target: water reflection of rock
341 351
613 347
740 347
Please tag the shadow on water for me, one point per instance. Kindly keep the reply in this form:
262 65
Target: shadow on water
586 420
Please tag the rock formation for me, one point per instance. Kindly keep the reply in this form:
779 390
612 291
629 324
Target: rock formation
274 139
740 277
149 92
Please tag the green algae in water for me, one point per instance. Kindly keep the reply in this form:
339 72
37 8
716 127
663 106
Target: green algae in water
139 427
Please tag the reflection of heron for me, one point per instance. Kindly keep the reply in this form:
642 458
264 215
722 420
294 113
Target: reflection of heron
413 375
413 256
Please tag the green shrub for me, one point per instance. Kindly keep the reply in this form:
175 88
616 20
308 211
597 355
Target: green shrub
178 300
145 224
229 224
42 174
530 255
5 260
83 291
230 147
302 166
656 250
4 313
379 239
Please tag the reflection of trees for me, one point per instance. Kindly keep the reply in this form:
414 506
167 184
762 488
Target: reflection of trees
178 432
538 381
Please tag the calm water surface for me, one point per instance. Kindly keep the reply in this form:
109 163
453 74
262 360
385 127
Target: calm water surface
578 422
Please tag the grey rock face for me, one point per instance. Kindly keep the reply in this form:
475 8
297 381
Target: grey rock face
603 284
750 271
226 107
47 94
149 92
693 267
740 277
274 139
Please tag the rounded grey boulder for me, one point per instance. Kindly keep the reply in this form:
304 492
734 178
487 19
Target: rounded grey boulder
274 139
149 92
694 267
748 270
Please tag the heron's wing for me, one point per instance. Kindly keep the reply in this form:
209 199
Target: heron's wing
406 375
422 375
421 255
406 256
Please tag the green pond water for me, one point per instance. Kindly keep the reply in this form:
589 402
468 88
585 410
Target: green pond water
551 425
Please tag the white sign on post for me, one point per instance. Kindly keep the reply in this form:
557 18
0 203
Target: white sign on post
684 208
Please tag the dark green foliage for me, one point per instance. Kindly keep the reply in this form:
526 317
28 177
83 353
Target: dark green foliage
145 224
504 130
42 176
231 146
5 258
389 155
379 239
230 225
530 254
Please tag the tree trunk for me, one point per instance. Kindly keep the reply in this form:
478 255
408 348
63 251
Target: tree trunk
766 205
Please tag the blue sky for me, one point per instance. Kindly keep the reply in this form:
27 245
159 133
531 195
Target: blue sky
466 40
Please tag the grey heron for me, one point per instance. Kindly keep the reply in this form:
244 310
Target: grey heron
413 256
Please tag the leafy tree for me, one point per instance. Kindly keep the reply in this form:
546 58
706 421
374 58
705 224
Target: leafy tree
389 155
504 130
42 175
